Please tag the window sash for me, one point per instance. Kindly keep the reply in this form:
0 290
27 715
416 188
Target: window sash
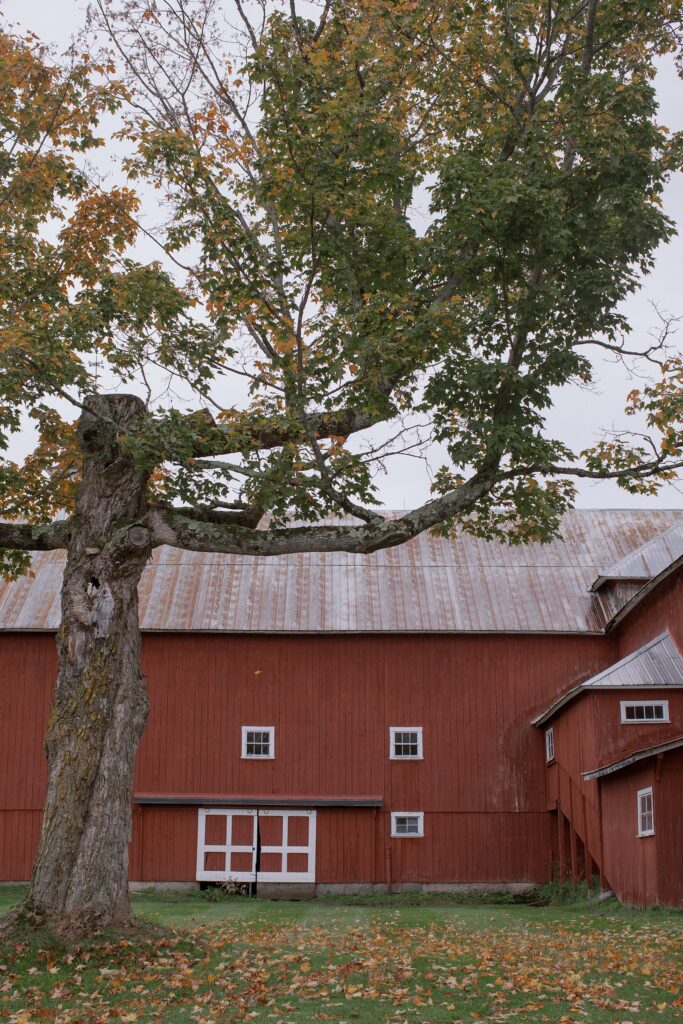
549 745
646 815
258 742
636 712
405 743
407 824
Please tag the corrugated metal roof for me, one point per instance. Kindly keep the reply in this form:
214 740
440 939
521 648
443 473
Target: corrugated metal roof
648 560
638 755
657 663
430 584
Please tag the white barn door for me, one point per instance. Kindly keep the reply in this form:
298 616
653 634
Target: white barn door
252 846
287 852
226 845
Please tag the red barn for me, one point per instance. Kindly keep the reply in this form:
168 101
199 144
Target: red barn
443 714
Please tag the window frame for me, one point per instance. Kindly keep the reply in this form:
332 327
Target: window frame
408 814
550 745
393 730
642 704
246 729
647 791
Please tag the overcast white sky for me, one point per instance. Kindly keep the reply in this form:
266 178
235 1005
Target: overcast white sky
578 417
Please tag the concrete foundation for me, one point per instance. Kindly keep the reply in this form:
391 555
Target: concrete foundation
514 888
309 890
164 886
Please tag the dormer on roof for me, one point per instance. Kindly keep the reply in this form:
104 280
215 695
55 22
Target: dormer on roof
645 562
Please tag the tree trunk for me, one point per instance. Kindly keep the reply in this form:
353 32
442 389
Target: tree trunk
80 877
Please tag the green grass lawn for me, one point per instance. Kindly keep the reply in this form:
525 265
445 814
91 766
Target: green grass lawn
386 961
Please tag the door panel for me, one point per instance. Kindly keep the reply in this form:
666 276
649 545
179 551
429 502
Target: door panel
216 829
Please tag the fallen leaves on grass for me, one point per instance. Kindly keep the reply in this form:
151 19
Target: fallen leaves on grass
385 970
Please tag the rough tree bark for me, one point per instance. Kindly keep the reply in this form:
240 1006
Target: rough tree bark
80 876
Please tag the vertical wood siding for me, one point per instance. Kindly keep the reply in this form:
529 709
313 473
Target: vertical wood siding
662 609
19 831
332 700
352 844
668 798
630 861
28 669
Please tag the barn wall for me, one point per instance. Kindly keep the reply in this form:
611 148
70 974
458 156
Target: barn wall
352 844
668 800
661 609
506 847
575 752
28 669
332 700
630 861
610 739
19 832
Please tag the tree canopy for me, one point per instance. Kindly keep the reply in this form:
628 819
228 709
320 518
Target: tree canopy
287 151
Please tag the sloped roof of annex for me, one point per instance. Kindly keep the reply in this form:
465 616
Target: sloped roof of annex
657 664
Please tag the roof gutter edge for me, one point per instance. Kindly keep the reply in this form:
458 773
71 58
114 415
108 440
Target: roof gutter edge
191 800
626 762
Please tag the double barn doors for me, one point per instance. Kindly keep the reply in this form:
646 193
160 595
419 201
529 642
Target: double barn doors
255 845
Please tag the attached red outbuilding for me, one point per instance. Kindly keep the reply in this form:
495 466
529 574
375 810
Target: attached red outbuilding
641 801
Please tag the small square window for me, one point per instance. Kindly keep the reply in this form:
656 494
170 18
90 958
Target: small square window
646 818
549 745
258 741
407 823
405 742
634 712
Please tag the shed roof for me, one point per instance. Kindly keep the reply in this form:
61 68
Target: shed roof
657 663
638 755
428 585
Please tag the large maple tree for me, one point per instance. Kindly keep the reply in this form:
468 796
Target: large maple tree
289 150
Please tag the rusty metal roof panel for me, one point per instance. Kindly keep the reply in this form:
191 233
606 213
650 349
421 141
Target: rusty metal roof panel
430 584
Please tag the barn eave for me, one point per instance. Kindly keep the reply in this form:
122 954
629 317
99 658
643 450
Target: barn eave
638 755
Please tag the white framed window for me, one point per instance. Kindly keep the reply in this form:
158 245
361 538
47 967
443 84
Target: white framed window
405 743
258 741
646 816
407 823
549 745
635 712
